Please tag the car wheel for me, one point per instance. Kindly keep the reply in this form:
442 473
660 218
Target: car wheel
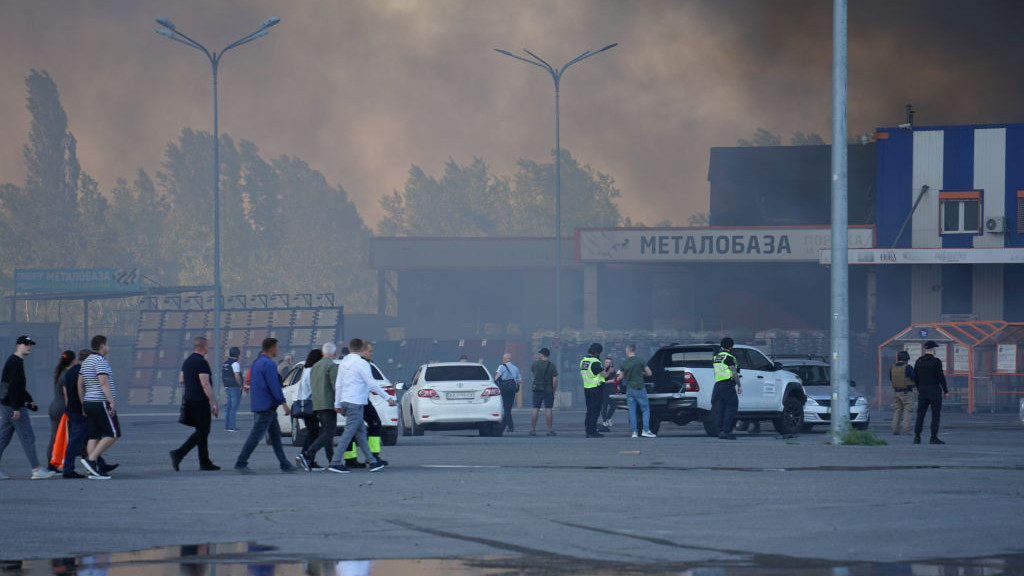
655 424
792 417
862 425
402 423
806 427
390 436
707 418
298 434
494 429
416 430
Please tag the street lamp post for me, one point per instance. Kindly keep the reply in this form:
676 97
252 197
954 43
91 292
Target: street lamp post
556 77
168 29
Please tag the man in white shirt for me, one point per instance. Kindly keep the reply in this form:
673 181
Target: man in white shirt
351 393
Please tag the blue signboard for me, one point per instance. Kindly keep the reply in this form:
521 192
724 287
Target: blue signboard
60 280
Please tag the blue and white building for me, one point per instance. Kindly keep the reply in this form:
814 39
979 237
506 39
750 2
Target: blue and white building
949 225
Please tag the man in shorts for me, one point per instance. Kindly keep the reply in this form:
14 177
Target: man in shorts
99 397
545 382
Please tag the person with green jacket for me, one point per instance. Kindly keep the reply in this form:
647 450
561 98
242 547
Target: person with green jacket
321 383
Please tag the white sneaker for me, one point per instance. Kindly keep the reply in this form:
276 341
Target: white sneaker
634 434
649 434
42 474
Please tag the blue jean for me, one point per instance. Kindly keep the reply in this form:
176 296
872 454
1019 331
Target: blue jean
638 397
24 428
234 397
78 430
264 421
355 428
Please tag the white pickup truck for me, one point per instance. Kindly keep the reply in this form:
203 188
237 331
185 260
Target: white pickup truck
682 380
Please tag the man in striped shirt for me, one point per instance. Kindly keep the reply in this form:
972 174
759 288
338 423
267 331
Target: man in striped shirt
99 396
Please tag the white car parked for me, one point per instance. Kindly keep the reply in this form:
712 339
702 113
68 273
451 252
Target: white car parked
815 373
296 428
452 396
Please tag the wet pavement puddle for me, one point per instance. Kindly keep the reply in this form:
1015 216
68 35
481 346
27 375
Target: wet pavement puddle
251 559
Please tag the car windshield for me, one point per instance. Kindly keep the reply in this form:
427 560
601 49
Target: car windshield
811 375
690 358
447 373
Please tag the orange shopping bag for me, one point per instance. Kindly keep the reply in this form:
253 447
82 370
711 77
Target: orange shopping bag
60 443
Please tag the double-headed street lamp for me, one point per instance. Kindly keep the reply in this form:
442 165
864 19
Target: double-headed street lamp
556 77
168 29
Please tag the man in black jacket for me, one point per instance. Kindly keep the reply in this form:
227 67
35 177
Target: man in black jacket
14 407
931 387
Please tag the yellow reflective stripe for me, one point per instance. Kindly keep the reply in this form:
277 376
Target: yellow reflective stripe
374 444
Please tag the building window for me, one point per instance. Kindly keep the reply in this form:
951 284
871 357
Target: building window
1020 211
960 212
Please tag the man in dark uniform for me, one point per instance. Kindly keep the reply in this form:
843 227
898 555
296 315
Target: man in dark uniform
931 387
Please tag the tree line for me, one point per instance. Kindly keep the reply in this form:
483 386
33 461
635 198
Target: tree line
284 228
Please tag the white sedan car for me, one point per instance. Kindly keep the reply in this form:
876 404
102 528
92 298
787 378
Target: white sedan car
295 427
452 396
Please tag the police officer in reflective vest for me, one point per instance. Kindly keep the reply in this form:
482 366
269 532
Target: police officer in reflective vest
593 373
724 399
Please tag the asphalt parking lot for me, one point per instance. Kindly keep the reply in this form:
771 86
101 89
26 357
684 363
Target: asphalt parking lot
680 498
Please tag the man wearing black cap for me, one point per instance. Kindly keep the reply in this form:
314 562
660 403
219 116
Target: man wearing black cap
15 402
931 387
545 382
724 398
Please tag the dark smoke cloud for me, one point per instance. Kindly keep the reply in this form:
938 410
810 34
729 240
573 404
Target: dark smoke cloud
363 89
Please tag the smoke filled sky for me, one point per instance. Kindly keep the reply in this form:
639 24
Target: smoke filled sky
363 89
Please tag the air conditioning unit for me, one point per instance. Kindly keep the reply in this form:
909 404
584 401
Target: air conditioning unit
995 224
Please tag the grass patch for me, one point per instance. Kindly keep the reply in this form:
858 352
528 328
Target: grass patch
862 438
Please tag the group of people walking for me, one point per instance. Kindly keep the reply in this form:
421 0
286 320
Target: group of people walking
84 422
327 388
83 413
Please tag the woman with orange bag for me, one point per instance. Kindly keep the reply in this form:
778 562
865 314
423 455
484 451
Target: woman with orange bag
58 421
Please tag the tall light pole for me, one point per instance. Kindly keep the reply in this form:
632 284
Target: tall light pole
556 77
840 421
168 29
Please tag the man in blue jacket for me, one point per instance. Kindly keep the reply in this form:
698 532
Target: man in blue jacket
265 393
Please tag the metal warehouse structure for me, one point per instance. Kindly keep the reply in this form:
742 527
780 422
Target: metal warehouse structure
982 360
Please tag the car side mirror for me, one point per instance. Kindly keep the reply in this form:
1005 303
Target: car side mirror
779 366
400 386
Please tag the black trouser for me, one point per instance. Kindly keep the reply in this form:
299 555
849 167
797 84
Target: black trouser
312 431
594 398
199 415
608 407
508 399
328 426
925 399
724 404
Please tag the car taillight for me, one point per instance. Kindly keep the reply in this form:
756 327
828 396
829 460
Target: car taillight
491 392
690 383
389 389
429 393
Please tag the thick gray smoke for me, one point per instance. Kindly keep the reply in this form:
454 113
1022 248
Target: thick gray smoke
361 90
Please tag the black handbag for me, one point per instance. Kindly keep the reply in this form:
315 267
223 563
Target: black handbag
302 408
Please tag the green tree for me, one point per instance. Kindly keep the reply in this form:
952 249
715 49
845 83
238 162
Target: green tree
469 200
145 238
588 198
466 201
52 183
